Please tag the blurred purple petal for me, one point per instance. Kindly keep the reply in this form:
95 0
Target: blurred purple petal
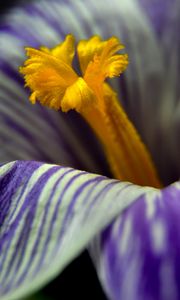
160 13
138 254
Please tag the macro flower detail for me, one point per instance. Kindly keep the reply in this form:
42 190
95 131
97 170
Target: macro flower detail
53 203
49 74
54 83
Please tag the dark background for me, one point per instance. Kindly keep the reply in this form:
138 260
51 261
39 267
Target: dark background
79 279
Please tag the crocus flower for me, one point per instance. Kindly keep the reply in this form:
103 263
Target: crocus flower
51 211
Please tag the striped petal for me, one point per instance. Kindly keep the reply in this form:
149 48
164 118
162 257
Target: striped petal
48 215
137 256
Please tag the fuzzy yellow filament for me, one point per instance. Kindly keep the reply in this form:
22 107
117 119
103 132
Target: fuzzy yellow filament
54 83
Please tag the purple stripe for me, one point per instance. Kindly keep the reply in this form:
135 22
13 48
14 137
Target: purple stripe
96 200
30 206
38 110
9 147
159 13
56 134
27 136
88 197
69 213
28 203
98 18
10 182
40 231
36 11
27 173
7 69
80 17
20 249
24 36
22 173
53 220
118 194
7 286
7 191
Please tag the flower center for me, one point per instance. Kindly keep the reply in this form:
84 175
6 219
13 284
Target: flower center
54 83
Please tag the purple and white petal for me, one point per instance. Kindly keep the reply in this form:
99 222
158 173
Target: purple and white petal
48 215
137 256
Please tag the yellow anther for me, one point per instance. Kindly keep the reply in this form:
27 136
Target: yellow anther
53 82
48 73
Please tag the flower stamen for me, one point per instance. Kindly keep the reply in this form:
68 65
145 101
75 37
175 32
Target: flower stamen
53 82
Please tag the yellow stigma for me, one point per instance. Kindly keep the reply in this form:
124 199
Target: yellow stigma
53 82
